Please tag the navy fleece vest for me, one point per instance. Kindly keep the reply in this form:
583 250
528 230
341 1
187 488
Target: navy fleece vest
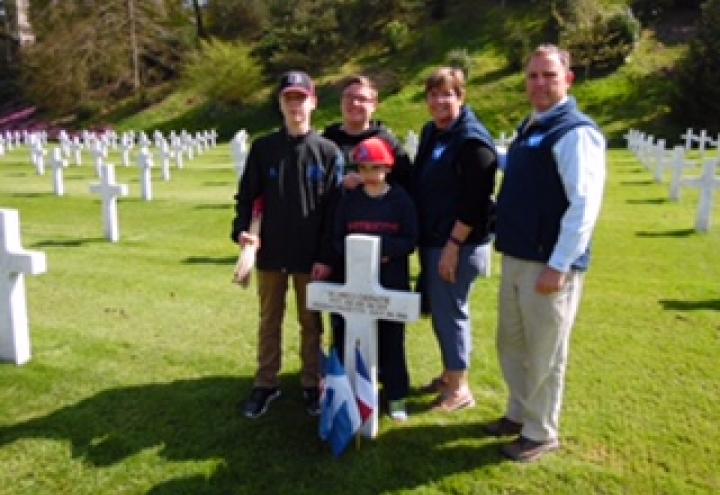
532 200
437 180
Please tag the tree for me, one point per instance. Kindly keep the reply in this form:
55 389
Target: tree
698 96
91 52
598 37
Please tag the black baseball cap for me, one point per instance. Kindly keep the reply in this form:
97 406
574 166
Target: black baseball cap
296 80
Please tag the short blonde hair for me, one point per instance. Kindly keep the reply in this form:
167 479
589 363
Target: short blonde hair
548 49
447 77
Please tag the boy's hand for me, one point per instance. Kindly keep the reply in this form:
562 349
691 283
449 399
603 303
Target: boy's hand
320 271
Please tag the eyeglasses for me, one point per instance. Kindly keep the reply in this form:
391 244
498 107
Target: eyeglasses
357 98
371 168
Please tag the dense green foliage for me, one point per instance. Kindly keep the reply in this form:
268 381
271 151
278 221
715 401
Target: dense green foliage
89 54
599 37
698 92
141 350
223 72
90 73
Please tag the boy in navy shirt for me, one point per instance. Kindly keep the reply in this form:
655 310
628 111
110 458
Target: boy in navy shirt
384 210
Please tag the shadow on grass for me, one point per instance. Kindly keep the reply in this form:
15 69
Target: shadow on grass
675 304
218 183
649 201
196 420
207 260
215 206
69 242
30 195
636 182
666 233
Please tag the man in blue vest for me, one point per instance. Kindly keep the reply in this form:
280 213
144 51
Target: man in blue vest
547 207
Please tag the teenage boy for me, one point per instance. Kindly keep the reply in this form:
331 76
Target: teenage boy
378 208
359 101
296 172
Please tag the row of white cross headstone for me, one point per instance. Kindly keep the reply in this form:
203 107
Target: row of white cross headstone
657 159
99 144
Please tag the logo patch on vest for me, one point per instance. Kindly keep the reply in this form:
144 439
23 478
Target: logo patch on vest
315 173
438 151
535 140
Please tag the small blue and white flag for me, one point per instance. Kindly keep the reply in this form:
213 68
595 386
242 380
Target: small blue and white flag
339 417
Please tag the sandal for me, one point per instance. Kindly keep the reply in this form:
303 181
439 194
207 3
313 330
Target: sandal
454 402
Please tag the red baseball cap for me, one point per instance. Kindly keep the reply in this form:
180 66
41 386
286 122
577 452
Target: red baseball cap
374 151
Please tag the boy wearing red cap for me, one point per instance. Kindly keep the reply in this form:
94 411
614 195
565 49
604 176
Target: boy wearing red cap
378 208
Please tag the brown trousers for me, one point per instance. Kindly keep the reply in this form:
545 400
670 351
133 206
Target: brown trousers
272 287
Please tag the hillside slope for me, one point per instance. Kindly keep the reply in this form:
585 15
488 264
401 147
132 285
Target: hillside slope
636 95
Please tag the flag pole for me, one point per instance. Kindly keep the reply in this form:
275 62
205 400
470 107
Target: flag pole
355 379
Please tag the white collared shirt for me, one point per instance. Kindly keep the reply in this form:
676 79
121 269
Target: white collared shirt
580 157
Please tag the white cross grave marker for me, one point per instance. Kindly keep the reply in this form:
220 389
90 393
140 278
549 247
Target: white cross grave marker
145 164
362 301
707 183
165 155
38 156
411 144
58 164
100 154
679 165
240 151
15 263
109 192
77 150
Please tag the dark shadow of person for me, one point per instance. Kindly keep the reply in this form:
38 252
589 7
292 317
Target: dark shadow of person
280 452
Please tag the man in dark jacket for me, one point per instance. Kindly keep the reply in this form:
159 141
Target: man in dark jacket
294 172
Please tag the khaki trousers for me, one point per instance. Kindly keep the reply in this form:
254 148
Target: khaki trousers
272 287
533 341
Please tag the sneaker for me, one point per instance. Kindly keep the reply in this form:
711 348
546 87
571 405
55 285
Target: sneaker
260 398
397 410
526 450
311 397
503 427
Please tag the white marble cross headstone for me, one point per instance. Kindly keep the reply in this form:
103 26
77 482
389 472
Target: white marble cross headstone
707 183
77 150
127 145
678 167
145 164
165 155
100 153
177 148
109 192
240 151
15 263
58 164
362 301
411 144
688 137
38 156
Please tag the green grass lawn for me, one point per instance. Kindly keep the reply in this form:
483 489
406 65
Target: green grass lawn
142 349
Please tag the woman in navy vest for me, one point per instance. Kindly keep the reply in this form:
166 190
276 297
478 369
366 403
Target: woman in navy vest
454 177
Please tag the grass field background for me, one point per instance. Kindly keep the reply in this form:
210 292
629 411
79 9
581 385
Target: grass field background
142 349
